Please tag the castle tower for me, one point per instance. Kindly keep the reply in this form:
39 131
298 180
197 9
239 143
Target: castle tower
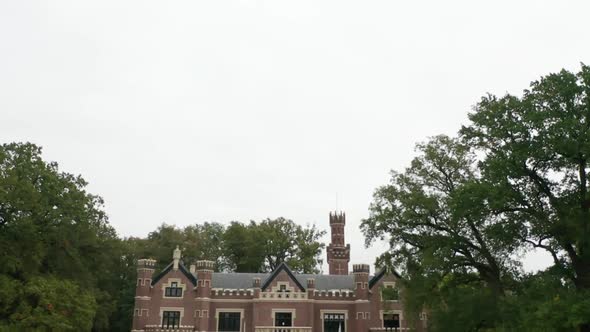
145 271
204 271
361 292
338 253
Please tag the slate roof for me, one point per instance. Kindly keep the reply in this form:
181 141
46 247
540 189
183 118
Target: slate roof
245 280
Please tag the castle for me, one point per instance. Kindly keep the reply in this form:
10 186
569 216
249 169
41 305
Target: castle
199 299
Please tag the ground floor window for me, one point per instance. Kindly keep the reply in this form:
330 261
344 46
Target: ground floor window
391 321
229 322
171 319
334 323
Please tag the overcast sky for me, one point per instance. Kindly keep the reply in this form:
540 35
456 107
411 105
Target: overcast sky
191 111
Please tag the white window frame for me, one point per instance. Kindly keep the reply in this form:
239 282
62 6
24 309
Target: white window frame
242 317
328 311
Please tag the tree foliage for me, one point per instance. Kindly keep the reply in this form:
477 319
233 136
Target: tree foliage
63 268
537 154
437 210
460 216
54 236
261 247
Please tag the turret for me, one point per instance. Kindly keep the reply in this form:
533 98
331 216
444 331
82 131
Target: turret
361 280
361 292
204 271
338 253
145 271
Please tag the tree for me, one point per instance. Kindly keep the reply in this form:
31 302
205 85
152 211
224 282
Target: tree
205 241
537 153
52 304
53 236
285 241
516 178
261 247
243 247
437 211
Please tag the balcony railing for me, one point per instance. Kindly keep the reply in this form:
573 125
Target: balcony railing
159 328
282 329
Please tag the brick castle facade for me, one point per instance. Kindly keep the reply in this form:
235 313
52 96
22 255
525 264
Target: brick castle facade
198 299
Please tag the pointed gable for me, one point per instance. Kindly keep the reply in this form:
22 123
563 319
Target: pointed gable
181 268
378 276
282 269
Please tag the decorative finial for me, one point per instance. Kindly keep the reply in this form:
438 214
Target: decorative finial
176 257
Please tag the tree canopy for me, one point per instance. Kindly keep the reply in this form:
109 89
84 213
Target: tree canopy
459 218
53 236
63 267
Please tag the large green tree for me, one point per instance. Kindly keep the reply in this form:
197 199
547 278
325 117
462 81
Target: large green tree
286 241
243 247
261 247
54 237
515 179
537 154
199 241
437 210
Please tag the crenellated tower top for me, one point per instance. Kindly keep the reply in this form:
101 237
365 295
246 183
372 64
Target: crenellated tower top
338 253
337 218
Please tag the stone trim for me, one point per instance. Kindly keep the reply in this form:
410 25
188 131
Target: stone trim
201 313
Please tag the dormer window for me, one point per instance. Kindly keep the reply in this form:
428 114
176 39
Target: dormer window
173 290
389 292
283 289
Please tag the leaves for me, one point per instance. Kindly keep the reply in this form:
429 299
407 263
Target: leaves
515 178
261 247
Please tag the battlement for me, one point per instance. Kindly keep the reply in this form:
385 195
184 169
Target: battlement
205 265
360 268
146 263
337 218
333 294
